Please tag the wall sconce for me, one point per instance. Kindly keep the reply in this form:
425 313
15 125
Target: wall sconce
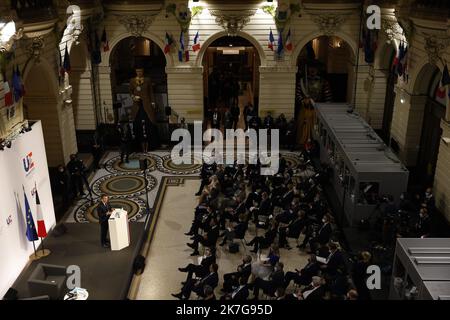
402 97
8 34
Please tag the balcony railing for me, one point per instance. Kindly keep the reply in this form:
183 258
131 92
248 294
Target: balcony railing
34 10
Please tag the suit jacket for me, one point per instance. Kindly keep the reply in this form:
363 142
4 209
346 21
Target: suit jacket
296 226
218 118
265 207
102 211
246 271
277 278
212 236
207 262
316 294
324 234
310 270
287 197
241 294
240 208
335 261
212 279
240 229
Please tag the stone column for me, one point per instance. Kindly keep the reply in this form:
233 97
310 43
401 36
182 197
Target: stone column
277 90
106 113
442 177
407 124
185 92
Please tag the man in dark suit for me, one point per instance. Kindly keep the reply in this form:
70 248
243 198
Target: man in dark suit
315 291
276 280
211 279
202 269
237 232
335 260
304 276
216 119
264 208
231 280
292 230
104 210
208 240
240 293
322 236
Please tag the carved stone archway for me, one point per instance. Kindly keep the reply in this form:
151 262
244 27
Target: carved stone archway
221 34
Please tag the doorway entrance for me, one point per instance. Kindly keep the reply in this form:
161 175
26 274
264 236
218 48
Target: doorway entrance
430 141
325 73
125 57
231 77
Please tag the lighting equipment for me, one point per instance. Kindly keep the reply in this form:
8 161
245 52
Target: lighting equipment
8 34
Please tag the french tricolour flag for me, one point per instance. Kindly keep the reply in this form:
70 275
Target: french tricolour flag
289 46
271 40
41 230
196 45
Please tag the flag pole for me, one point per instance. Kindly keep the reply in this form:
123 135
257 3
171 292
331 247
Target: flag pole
35 255
42 244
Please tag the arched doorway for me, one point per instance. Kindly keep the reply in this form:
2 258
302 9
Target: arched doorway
41 103
387 64
325 70
125 57
231 76
428 84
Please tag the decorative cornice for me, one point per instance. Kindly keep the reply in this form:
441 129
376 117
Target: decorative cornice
136 24
34 47
192 70
277 69
232 21
435 45
391 29
329 23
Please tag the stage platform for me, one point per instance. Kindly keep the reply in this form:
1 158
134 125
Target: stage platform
105 274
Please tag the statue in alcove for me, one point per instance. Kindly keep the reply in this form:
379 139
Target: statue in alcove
141 91
313 84
305 122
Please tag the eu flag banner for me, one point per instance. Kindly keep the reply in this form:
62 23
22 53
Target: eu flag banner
31 228
181 51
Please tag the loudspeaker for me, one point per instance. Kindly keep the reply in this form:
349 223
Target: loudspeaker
168 111
59 230
11 294
143 164
139 264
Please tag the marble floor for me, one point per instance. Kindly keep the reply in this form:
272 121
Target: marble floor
168 250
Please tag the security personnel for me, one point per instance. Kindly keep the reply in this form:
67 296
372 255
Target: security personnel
126 137
76 172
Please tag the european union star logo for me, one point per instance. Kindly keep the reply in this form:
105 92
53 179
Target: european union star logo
31 228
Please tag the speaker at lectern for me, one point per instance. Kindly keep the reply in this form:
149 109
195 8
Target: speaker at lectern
119 232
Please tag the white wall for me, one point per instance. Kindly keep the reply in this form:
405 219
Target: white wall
14 246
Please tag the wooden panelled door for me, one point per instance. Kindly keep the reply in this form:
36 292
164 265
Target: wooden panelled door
430 141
